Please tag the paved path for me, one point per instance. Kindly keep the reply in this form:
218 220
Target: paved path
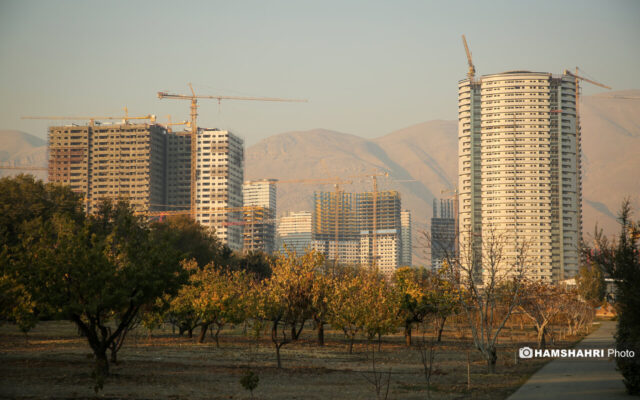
576 378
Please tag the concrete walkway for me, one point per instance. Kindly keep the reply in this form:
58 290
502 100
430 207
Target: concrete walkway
578 378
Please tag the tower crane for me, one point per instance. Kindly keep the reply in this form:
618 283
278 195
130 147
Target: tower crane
374 180
579 78
24 168
472 69
169 124
337 183
125 119
194 125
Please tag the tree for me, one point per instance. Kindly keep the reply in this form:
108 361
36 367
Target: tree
87 269
410 287
442 297
590 283
489 284
621 260
380 305
193 240
541 303
346 310
285 298
219 298
321 296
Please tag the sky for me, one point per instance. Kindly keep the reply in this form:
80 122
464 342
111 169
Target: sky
366 67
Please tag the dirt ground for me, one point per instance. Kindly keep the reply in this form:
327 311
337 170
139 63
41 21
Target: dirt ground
53 362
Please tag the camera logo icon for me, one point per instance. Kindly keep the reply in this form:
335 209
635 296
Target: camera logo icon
525 352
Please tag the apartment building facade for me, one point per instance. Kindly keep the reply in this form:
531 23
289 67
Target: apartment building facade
219 179
259 215
520 170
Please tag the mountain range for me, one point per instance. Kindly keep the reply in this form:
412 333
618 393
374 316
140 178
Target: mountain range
421 161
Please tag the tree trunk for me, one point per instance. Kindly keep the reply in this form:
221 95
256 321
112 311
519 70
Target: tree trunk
189 333
407 334
379 341
440 329
114 356
278 356
351 345
218 328
492 358
203 333
542 342
294 337
102 364
320 333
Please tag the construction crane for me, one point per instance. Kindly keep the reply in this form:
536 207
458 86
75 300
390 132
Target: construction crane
92 120
472 69
579 78
169 124
337 183
24 168
194 125
374 180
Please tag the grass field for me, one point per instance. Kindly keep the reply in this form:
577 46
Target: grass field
53 362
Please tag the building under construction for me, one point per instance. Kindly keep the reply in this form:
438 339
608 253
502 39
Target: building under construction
112 161
259 215
352 228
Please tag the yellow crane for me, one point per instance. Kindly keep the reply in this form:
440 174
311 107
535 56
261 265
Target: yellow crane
337 183
579 78
24 168
194 125
125 119
169 124
472 69
374 232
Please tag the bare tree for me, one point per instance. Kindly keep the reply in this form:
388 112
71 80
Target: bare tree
489 271
427 351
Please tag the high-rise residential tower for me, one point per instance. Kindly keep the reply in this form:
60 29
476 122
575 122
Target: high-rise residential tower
519 169
219 178
259 215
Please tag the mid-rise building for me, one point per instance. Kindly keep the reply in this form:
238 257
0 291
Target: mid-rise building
111 161
383 243
519 170
294 232
259 215
220 174
178 160
343 228
406 257
443 233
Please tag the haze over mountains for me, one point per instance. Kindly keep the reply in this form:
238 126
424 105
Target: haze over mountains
421 161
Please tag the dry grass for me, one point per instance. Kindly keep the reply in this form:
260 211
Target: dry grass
53 362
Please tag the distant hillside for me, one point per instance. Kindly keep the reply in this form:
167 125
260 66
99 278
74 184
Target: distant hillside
424 156
22 149
422 161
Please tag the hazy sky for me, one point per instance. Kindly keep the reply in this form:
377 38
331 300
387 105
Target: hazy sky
367 67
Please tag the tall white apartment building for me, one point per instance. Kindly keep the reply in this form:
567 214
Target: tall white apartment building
519 170
259 215
388 250
219 178
406 240
294 231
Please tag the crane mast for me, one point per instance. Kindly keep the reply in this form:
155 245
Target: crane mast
194 126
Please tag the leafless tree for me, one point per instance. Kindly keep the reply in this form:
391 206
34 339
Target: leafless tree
489 271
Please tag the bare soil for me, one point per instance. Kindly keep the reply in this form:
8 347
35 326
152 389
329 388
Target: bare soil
53 362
